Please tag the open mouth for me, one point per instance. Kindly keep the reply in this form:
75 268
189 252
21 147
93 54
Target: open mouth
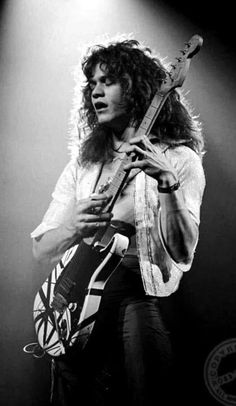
100 106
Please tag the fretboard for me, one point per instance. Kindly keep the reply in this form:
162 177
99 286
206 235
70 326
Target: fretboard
145 127
152 113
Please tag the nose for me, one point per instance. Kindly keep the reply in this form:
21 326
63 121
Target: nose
98 90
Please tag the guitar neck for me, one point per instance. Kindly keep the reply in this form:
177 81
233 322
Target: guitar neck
152 113
119 180
144 128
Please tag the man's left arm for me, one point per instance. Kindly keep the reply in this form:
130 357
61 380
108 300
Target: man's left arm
178 228
180 181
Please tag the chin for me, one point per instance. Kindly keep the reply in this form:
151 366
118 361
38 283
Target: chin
117 123
103 120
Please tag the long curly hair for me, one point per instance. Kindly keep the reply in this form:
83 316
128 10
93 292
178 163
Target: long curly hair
123 60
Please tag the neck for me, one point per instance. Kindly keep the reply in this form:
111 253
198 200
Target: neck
125 135
121 139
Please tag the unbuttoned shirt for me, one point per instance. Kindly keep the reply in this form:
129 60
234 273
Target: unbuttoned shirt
139 205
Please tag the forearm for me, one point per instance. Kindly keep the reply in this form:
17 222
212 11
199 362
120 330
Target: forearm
83 222
179 231
52 245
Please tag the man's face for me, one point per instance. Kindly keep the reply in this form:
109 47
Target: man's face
107 100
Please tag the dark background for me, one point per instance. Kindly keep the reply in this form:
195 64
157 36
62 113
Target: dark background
39 46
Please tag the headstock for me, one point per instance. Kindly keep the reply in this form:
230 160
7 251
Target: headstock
178 72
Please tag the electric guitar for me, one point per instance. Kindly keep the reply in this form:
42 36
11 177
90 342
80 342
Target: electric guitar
66 305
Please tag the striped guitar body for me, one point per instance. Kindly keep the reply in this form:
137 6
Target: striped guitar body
65 307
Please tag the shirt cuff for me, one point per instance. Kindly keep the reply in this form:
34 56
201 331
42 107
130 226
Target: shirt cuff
42 229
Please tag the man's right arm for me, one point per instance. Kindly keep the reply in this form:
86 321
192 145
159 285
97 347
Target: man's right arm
50 247
84 222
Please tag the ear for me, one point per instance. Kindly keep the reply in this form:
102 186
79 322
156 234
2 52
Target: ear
129 81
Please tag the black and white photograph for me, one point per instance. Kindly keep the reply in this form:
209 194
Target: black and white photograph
118 203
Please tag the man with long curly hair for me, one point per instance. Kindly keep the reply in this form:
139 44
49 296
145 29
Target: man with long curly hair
128 357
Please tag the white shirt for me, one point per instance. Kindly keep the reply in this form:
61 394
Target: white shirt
160 273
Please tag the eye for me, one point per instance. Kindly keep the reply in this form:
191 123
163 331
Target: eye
109 81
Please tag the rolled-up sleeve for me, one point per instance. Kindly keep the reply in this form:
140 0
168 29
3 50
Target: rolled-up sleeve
61 205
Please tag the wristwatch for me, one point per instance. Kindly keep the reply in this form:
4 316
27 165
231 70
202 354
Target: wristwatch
169 189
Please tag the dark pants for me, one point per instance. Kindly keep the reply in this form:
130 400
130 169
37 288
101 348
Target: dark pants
127 360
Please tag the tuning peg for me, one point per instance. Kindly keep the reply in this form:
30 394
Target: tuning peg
187 44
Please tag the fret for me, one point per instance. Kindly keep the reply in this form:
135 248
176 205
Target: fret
151 112
146 123
119 175
117 181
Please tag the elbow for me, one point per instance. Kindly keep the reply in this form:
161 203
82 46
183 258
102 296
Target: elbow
183 251
43 255
183 257
38 253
